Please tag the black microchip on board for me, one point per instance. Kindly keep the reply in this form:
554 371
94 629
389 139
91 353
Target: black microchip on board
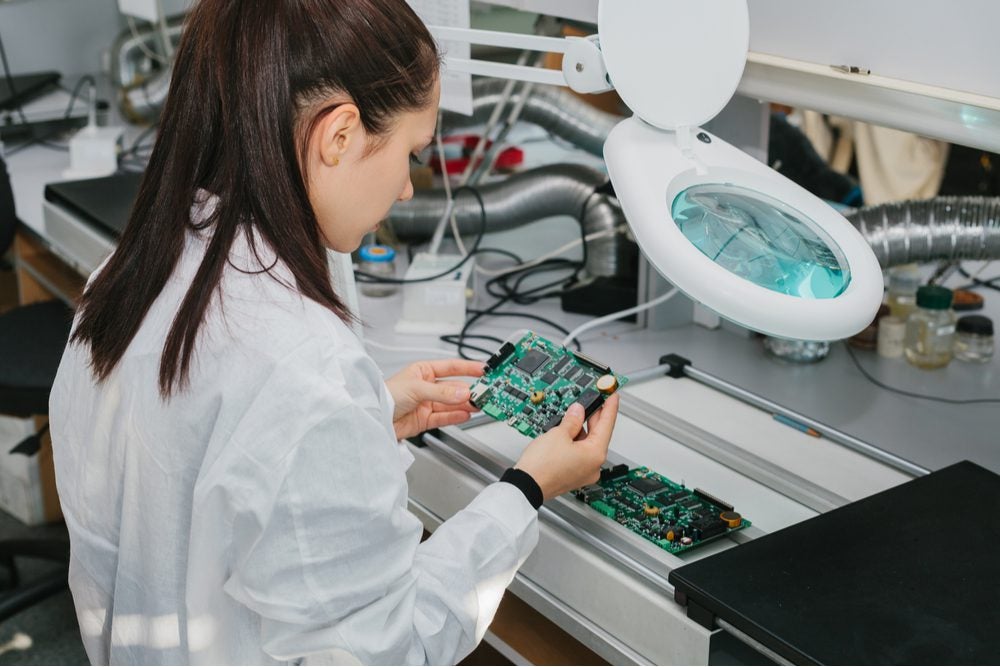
527 411
559 365
646 486
585 380
532 361
549 378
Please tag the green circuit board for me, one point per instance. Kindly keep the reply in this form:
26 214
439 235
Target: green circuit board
531 383
670 515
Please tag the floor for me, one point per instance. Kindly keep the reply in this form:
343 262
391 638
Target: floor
51 624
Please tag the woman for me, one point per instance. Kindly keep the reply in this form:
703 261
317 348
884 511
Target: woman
226 451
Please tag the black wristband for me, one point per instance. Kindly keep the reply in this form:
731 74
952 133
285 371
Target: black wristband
526 484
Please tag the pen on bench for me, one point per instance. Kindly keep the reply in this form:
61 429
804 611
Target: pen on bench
799 426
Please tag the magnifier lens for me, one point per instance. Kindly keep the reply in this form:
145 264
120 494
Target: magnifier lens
762 240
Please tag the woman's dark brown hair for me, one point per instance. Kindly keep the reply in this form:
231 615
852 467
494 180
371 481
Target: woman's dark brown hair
249 81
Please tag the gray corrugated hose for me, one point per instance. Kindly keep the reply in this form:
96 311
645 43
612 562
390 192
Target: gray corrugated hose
560 189
555 109
943 228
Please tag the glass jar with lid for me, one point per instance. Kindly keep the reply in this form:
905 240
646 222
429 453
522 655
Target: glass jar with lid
930 329
974 339
903 284
378 261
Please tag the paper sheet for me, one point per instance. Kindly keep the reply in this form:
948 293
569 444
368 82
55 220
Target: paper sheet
456 88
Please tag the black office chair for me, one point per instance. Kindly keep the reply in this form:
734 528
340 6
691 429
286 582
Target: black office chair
32 339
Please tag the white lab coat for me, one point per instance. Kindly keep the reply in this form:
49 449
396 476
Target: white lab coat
261 516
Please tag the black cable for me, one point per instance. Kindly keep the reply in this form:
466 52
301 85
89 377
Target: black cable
86 78
529 316
453 339
475 248
903 392
978 282
535 294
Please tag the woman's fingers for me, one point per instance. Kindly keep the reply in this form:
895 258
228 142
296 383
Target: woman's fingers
450 393
455 367
439 419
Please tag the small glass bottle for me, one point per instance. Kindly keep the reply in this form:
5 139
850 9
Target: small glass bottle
930 330
974 339
903 283
379 261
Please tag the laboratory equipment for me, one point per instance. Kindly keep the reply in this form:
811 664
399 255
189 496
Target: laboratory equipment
724 228
974 339
797 351
378 261
930 329
891 337
531 382
903 283
670 515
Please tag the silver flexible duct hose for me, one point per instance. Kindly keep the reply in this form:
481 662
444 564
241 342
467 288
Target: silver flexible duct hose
943 228
555 109
560 189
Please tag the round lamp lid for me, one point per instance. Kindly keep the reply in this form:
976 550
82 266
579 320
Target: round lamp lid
675 63
763 240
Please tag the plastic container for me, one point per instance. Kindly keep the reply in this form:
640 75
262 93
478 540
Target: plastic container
891 337
974 339
930 329
904 281
380 261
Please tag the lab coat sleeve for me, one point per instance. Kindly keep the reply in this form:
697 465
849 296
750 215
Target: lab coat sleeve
333 563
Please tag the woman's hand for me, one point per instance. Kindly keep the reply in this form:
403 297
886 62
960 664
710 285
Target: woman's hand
425 401
568 457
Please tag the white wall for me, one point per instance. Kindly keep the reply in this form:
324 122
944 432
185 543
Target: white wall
64 35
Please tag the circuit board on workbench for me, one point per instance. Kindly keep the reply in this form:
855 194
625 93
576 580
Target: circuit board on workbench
670 515
531 383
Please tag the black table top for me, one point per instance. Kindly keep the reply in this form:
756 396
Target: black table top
104 202
907 576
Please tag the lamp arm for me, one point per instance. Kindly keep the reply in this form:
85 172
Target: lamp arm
583 68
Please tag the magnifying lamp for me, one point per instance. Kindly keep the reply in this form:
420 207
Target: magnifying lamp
727 230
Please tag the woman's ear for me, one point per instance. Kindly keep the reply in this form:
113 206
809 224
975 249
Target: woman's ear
339 133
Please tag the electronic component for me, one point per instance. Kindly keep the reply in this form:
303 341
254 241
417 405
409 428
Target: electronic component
590 493
603 368
536 373
606 384
590 400
500 356
647 486
732 519
532 361
614 472
668 514
712 499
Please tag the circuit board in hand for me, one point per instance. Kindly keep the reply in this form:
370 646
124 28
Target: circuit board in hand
530 384
670 515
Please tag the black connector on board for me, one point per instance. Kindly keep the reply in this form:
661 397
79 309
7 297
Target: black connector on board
498 358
